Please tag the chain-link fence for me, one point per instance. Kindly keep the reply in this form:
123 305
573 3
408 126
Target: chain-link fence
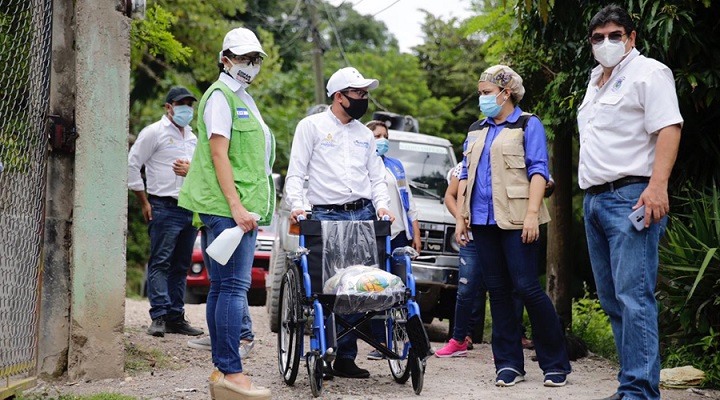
25 49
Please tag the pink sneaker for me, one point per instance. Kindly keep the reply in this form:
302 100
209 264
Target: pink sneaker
452 349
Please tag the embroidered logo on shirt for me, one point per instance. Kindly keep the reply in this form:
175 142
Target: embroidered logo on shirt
328 141
242 112
618 83
361 144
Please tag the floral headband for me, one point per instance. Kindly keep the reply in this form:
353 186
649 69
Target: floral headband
500 78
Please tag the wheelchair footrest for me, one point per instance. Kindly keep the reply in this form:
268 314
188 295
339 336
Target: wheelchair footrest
418 337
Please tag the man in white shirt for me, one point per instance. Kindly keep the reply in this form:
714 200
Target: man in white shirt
629 126
165 148
346 178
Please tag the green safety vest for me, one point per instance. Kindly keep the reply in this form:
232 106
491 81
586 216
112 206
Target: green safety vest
201 190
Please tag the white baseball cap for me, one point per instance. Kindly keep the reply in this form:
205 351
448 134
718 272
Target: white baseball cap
349 77
242 41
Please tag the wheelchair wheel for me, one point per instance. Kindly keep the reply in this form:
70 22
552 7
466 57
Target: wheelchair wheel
417 371
399 368
290 333
315 372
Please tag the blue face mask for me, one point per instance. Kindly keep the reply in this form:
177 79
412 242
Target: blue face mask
382 145
489 105
182 115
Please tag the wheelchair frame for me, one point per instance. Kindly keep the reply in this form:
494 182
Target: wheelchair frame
300 308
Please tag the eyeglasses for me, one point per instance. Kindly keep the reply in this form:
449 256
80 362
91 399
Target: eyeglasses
363 94
614 37
247 60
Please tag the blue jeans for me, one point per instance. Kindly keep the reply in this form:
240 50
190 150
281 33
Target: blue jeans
226 310
347 346
510 265
206 238
171 244
471 294
625 265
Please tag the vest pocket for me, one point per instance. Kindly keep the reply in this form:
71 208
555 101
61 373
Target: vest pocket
517 203
514 156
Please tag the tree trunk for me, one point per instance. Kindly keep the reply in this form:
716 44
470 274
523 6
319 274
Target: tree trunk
559 244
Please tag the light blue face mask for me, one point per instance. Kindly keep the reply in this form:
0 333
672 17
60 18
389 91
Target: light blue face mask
489 106
182 115
382 145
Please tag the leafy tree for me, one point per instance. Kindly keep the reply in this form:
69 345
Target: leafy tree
452 62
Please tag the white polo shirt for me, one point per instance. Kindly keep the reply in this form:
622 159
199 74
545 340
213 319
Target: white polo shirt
619 122
157 147
340 161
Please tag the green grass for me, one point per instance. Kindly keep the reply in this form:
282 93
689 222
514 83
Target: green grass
140 359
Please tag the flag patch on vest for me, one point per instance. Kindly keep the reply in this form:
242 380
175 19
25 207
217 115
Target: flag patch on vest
242 112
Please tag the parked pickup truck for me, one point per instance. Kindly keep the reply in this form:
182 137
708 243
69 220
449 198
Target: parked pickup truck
427 160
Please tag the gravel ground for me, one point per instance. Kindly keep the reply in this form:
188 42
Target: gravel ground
455 378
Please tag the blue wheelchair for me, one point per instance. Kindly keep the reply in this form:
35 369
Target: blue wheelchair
327 248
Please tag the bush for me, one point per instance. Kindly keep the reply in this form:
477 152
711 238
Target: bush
591 324
689 283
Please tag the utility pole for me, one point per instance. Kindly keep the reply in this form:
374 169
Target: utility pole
320 95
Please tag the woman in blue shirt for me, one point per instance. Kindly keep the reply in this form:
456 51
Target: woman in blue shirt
505 164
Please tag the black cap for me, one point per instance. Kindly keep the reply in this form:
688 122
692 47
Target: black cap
178 93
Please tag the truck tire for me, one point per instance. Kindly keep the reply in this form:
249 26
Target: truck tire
277 270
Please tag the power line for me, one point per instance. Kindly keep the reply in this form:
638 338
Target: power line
395 2
337 34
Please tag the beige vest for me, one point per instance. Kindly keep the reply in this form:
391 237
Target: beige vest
510 186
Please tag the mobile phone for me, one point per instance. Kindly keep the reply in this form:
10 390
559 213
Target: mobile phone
637 218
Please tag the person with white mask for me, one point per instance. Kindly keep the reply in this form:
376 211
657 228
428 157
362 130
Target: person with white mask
165 149
229 181
630 124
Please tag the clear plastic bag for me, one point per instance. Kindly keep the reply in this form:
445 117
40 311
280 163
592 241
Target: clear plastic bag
360 288
407 250
350 269
347 243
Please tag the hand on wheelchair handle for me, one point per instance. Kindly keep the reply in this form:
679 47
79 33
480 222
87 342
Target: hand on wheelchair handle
297 215
384 213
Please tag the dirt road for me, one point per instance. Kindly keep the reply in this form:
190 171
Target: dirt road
457 378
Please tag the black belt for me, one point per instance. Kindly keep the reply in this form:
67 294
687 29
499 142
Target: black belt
166 199
351 206
628 180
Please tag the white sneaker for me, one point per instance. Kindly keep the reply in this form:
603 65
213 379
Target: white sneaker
201 344
204 344
245 348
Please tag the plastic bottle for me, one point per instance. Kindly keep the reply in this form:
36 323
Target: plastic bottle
225 244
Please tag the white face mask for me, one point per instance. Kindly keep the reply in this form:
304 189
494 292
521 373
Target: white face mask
244 74
609 54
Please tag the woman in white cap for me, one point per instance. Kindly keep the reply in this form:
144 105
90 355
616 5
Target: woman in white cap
229 184
506 168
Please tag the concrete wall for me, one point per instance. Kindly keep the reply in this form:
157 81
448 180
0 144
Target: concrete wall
102 81
54 321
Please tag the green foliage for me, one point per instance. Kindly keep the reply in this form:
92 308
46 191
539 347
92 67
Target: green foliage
591 324
703 355
689 285
152 35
